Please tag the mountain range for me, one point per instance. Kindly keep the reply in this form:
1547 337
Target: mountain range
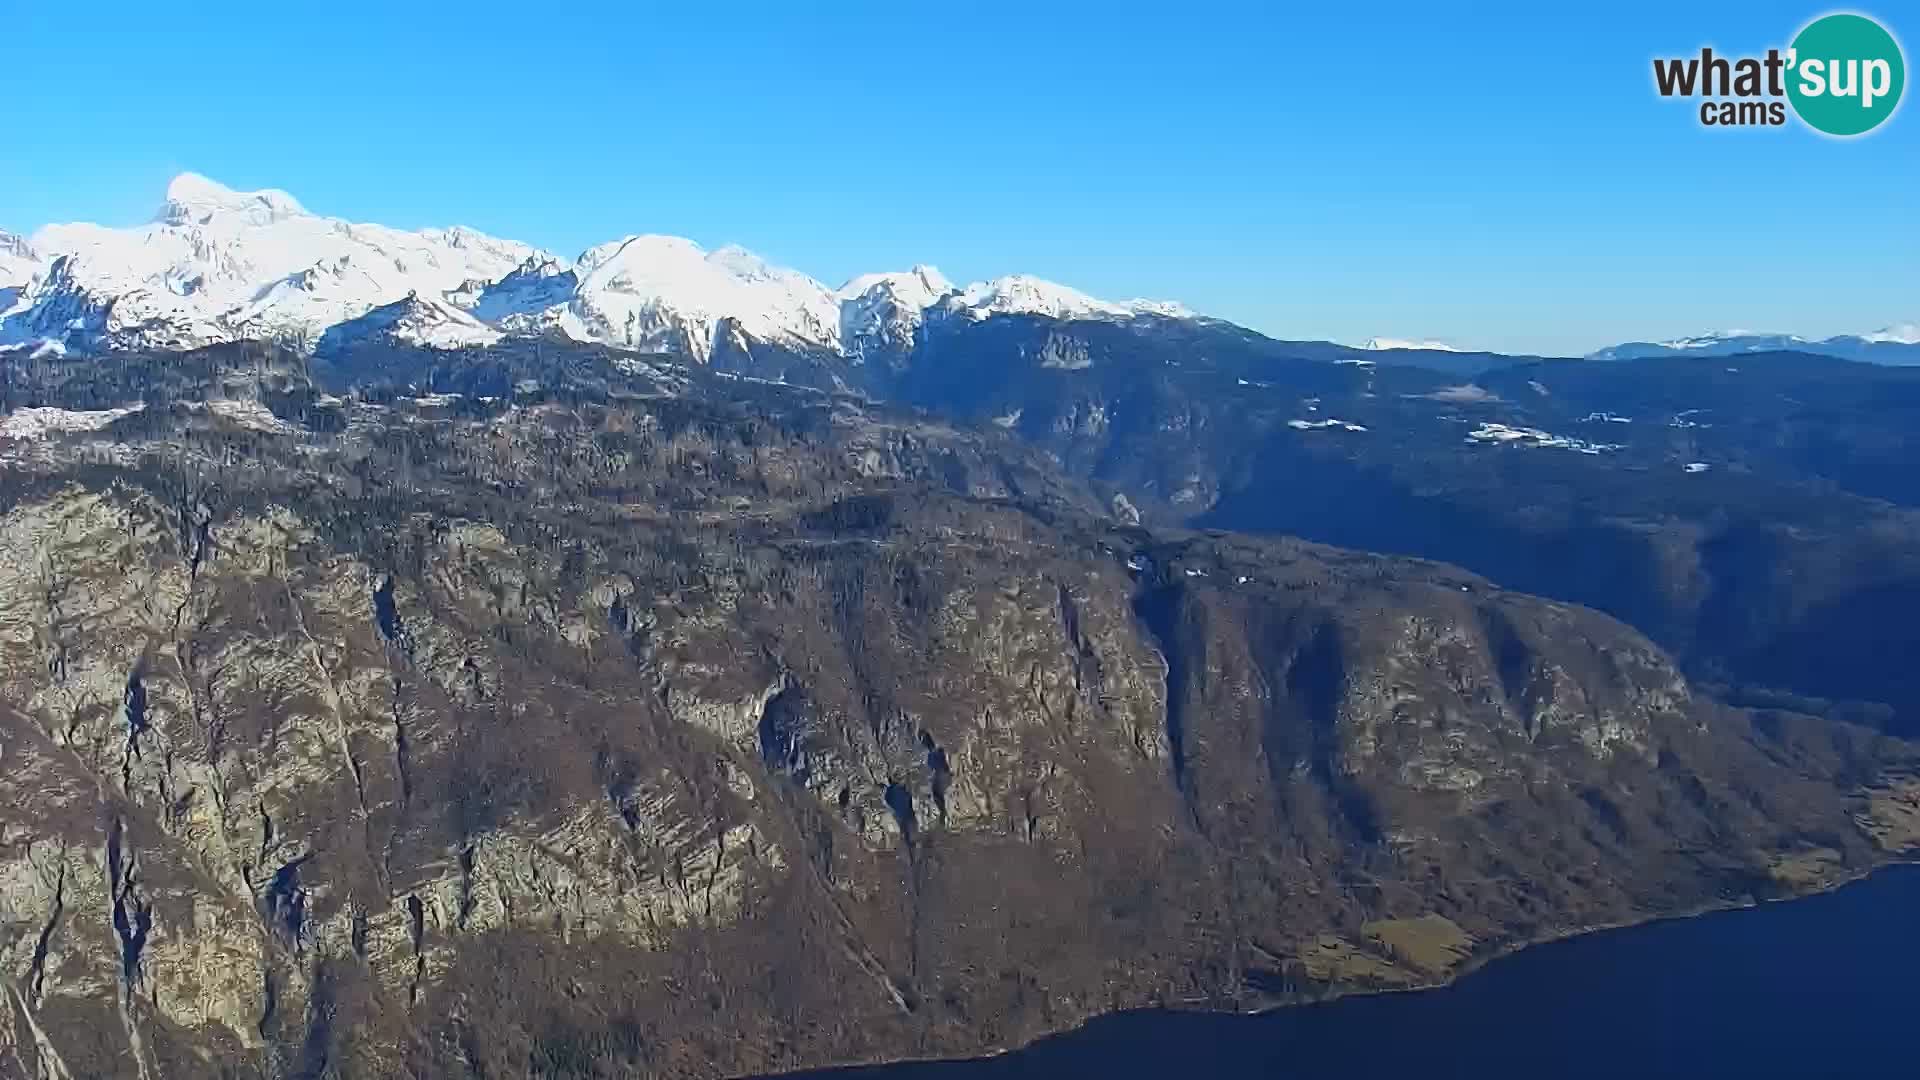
217 265
220 265
773 676
1897 344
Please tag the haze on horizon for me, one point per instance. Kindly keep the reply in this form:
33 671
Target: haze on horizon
1503 180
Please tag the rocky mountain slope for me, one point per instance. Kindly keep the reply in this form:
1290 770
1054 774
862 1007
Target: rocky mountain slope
1757 518
652 720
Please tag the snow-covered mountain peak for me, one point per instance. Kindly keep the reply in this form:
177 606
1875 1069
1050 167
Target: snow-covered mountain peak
640 249
662 292
1023 294
923 283
1166 309
929 278
649 263
879 313
1714 339
413 320
219 265
1897 334
194 199
1378 344
744 264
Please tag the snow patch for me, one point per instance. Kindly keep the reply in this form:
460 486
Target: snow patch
250 415
1504 435
1464 394
37 422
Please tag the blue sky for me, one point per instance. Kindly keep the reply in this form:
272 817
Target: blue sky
1503 177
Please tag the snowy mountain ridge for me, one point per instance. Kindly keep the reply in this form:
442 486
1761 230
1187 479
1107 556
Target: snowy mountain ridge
216 264
1382 344
1897 334
219 265
1899 343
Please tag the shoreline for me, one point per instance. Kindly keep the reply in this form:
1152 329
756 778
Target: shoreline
1466 969
1474 964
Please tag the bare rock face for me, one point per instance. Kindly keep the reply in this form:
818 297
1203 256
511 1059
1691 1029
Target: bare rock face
634 737
250 757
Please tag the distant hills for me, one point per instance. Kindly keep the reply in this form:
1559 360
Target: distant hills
1899 344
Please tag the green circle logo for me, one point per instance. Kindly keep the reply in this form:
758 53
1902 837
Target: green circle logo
1845 74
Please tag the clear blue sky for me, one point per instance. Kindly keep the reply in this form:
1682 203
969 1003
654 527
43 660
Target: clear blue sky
1502 178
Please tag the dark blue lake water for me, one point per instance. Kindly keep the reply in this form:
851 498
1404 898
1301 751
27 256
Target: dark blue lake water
1828 986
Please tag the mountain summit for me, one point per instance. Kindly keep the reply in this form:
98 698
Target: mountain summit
192 197
221 265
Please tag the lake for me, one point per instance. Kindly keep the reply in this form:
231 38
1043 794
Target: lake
1819 987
